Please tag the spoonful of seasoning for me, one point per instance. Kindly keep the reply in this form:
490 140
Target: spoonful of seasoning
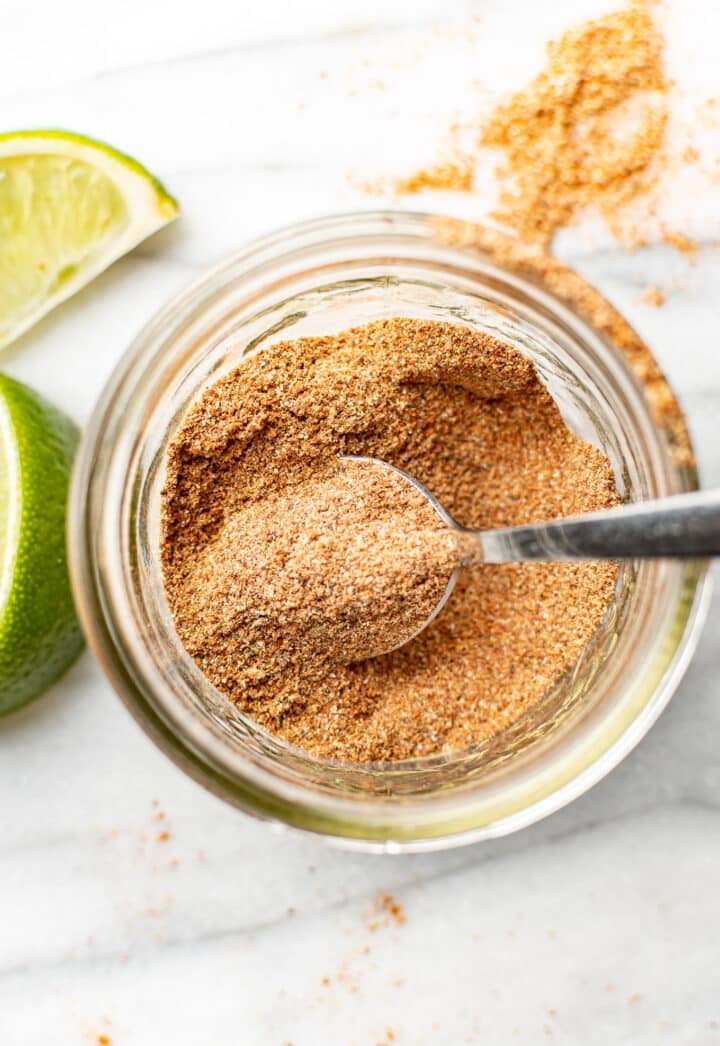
358 559
346 565
397 575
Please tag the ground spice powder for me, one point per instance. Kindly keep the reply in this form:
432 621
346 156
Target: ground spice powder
532 262
345 565
587 134
465 414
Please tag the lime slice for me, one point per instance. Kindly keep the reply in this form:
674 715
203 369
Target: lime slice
69 207
39 632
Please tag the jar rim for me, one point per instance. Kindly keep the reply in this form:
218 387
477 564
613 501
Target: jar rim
366 824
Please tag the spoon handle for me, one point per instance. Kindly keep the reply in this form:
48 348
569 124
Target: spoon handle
685 526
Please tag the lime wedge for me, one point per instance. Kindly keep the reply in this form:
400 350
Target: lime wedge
69 207
39 632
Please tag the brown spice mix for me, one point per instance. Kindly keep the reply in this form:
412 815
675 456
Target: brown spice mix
587 134
344 565
532 262
588 131
465 414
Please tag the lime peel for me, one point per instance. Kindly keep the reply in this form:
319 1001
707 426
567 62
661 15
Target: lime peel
10 507
39 631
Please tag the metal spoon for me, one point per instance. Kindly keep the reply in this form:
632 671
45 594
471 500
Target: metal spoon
683 526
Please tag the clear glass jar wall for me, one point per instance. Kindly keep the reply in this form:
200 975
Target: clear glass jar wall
314 279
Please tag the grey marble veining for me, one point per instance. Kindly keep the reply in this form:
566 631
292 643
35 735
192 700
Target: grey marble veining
600 924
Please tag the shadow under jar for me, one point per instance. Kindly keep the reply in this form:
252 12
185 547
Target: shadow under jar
318 278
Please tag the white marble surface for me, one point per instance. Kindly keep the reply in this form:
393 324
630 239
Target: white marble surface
598 926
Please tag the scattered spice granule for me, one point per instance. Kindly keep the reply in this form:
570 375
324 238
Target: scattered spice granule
389 909
682 243
690 154
634 999
588 134
450 175
653 296
588 131
325 981
393 908
465 414
388 1038
162 837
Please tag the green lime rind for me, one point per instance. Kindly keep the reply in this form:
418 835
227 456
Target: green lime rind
93 143
39 632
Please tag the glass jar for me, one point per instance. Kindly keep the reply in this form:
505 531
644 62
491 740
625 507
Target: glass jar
317 278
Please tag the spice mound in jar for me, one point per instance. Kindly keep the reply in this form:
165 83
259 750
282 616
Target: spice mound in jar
263 530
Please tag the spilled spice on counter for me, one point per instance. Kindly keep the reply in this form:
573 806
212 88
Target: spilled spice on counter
466 415
446 176
653 296
394 909
682 243
587 134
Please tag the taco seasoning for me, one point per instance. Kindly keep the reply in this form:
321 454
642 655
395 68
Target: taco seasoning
271 546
